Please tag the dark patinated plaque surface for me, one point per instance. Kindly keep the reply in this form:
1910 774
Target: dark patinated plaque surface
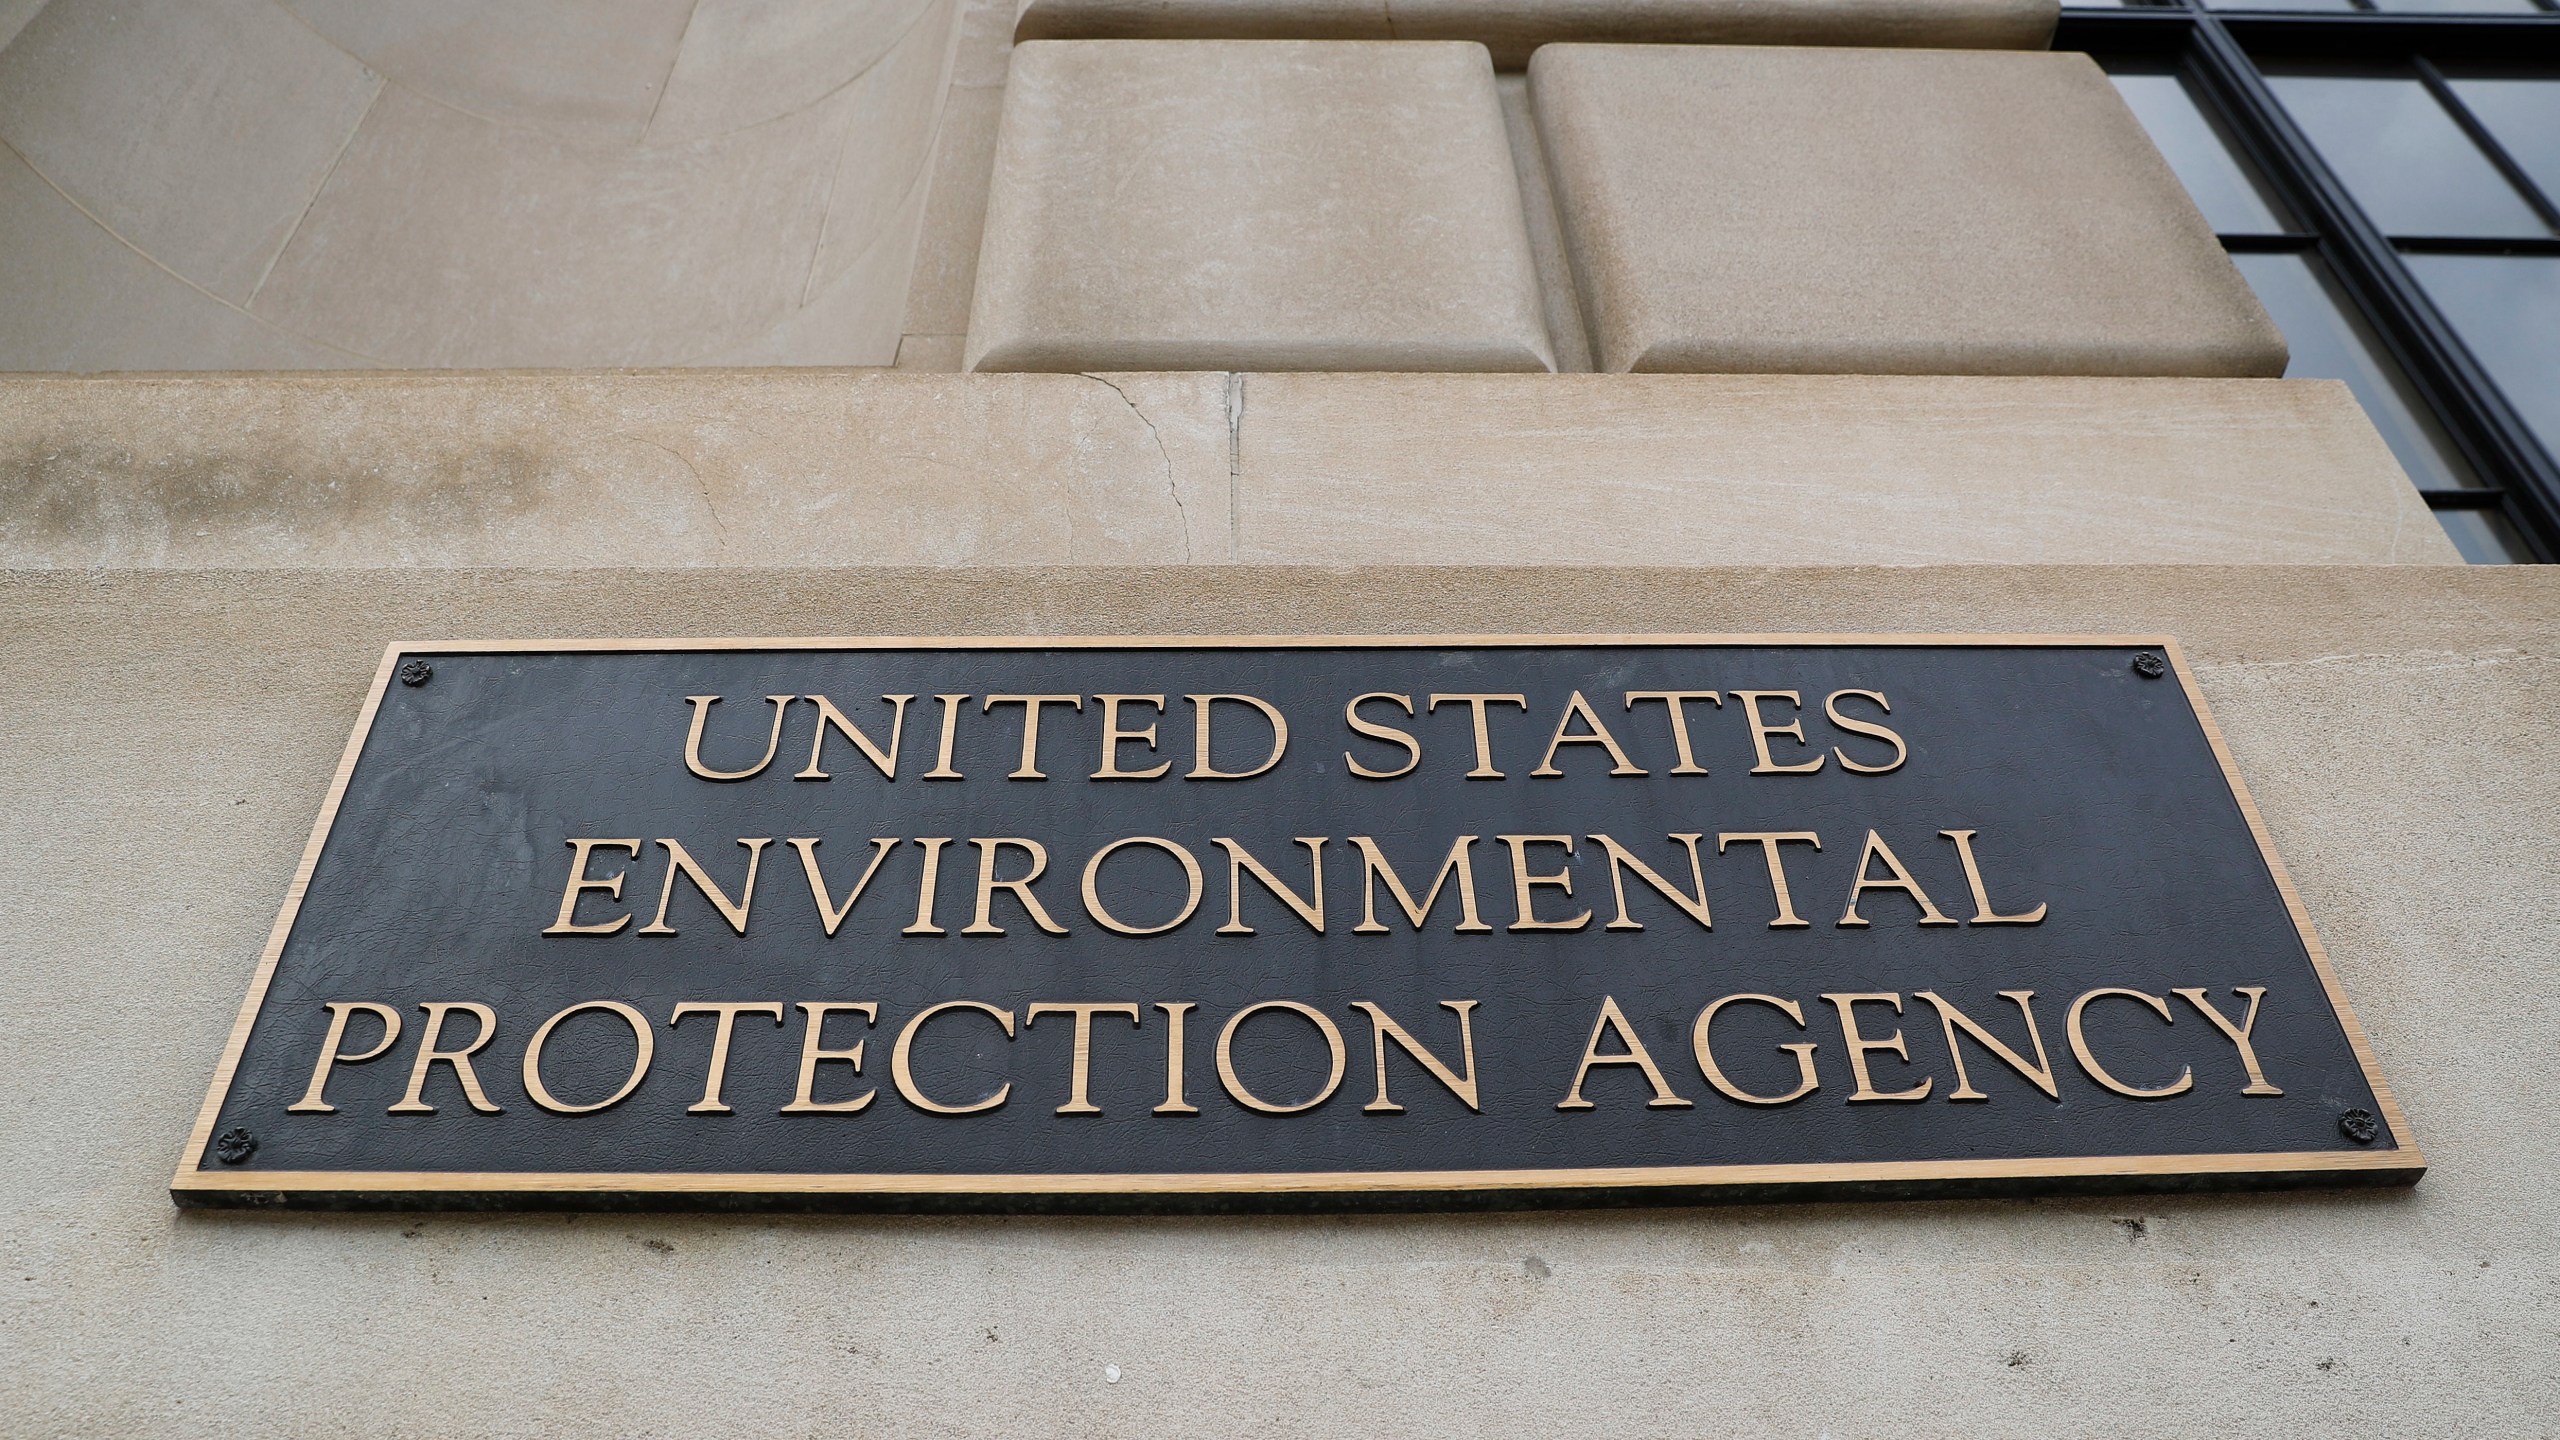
2039 844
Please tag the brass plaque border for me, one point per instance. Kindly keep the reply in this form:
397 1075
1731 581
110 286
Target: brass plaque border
196 1185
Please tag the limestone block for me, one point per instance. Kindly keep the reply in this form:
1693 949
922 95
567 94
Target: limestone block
861 469
1187 205
1881 211
955 216
745 62
413 183
669 468
75 297
852 317
14 15
886 162
447 240
1511 29
576 69
196 133
1817 469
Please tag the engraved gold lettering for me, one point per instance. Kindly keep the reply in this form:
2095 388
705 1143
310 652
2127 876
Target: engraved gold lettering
1900 879
1080 1075
1388 733
579 884
1029 769
813 1019
829 912
701 715
2080 1046
1175 1013
1202 768
1761 730
1484 737
1901 752
1310 908
1600 736
1383 1029
1101 913
1612 1020
1524 901
541 1093
332 1054
1806 1081
1982 912
2040 1074
1375 868
988 885
728 1011
681 862
1113 737
1769 841
1236 1087
1621 858
942 769
925 886
902 1070
829 717
1860 1046
1672 701
2238 1034
430 1053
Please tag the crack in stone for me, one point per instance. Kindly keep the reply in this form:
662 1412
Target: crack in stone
1235 466
719 531
1182 511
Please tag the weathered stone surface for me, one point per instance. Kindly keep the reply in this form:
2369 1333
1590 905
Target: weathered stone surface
196 133
955 219
671 468
171 736
328 183
1196 205
439 240
882 468
1511 29
73 296
1817 469
1881 211
745 62
583 69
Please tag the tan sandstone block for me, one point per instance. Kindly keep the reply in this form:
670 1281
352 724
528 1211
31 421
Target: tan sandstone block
668 468
1881 211
571 69
746 62
870 468
1817 469
1189 205
75 297
196 133
443 239
1511 29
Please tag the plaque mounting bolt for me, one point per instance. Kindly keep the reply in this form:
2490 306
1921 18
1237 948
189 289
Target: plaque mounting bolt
2359 1125
2150 666
416 673
234 1145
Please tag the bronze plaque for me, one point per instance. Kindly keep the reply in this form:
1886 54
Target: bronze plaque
1285 922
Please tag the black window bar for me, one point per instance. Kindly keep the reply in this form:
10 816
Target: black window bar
2338 242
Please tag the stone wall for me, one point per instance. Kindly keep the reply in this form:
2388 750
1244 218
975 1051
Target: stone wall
172 734
873 468
327 184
